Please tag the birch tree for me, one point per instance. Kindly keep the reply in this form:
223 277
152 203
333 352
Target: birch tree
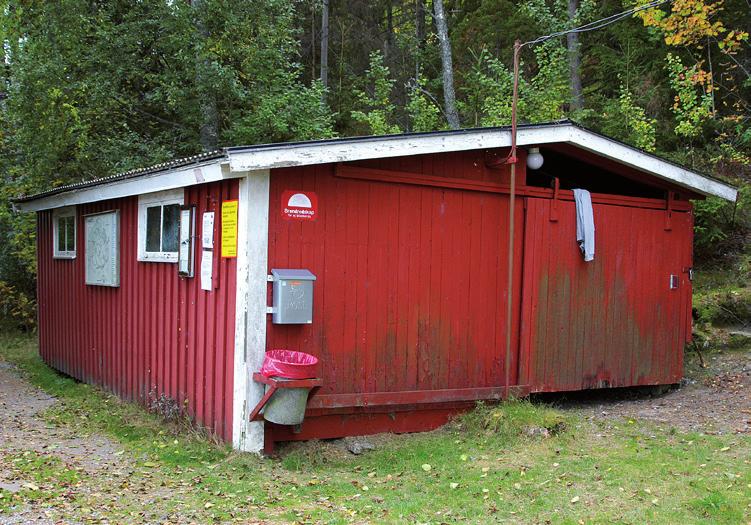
574 58
447 68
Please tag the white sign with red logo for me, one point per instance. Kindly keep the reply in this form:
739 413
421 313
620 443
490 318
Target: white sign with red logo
299 205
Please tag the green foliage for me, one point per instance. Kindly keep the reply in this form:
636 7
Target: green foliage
629 122
726 306
553 16
693 101
707 229
252 52
95 88
17 310
489 89
423 112
374 99
721 228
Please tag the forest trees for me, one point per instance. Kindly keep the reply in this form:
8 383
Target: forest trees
97 87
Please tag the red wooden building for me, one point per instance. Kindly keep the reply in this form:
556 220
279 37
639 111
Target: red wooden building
154 283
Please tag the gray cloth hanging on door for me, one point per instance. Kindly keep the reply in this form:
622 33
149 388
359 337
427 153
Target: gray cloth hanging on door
585 224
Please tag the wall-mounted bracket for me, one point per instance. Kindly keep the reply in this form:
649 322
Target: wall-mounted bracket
274 384
669 212
270 310
554 202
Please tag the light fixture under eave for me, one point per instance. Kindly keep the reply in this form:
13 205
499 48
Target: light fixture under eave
534 159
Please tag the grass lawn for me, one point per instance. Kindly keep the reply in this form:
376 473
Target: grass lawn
484 467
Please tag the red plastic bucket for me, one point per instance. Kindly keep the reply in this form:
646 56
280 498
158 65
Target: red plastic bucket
289 364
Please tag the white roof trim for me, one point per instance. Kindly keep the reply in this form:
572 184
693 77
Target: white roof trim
164 180
239 161
398 146
650 164
303 154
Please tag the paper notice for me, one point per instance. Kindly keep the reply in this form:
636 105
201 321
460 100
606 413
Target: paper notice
207 269
207 231
229 228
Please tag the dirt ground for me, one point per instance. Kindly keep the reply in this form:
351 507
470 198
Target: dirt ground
23 429
711 400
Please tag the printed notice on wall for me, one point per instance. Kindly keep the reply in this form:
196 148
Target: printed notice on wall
229 229
207 230
299 205
207 269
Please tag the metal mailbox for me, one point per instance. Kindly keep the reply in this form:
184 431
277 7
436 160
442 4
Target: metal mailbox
292 296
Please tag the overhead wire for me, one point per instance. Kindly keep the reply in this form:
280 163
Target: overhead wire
599 24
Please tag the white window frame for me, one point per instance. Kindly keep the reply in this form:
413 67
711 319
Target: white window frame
57 214
162 198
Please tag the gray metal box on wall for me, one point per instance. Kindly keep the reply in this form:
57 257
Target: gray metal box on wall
293 296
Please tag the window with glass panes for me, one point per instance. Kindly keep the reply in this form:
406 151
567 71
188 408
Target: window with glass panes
64 234
159 222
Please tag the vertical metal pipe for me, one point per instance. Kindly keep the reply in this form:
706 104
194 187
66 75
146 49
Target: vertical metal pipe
512 198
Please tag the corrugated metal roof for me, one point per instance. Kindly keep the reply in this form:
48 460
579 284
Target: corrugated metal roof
139 172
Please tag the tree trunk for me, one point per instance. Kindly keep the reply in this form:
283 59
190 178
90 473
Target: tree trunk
325 45
574 59
449 97
209 131
313 39
388 44
419 34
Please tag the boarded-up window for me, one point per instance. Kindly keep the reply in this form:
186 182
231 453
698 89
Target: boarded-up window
102 253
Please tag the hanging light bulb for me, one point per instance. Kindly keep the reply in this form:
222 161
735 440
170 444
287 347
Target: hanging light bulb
534 159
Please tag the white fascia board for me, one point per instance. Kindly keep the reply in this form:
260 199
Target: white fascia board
138 185
254 159
649 164
397 146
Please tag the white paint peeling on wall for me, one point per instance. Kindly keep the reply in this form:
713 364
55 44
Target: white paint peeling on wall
250 317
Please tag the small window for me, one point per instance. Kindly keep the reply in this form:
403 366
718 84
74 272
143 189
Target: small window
158 226
64 233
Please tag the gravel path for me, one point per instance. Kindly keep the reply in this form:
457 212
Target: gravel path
22 429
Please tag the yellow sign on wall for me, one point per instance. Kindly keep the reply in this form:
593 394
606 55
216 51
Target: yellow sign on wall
229 228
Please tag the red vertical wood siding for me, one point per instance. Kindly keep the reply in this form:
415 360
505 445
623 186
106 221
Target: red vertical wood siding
411 289
613 321
157 334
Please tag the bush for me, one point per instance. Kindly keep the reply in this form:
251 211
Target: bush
721 228
723 307
17 309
